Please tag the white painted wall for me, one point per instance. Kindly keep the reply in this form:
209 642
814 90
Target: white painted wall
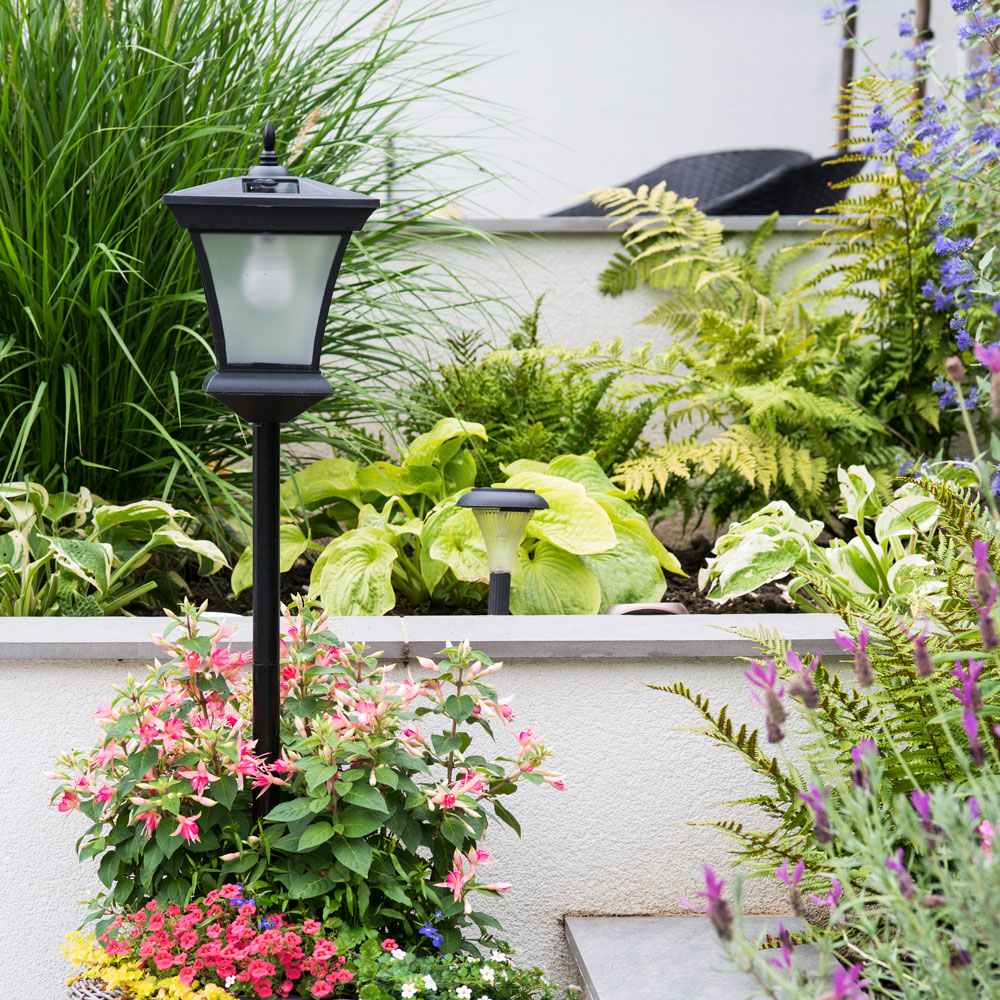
597 92
616 842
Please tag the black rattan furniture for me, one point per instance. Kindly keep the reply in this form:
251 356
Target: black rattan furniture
745 182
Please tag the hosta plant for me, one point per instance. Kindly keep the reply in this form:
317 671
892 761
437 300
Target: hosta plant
74 554
881 561
384 799
395 530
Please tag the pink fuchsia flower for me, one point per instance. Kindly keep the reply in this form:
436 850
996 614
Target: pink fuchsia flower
847 984
764 675
815 798
719 913
862 665
187 827
150 820
108 753
456 879
104 794
68 802
199 777
106 715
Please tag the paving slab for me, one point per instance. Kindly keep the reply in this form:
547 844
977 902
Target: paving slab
665 958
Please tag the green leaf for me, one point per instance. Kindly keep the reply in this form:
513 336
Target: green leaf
458 544
363 794
311 884
573 521
459 708
400 480
90 561
455 830
423 450
356 821
354 855
431 569
289 812
320 482
201 546
629 573
142 511
555 583
353 575
584 470
314 835
291 544
622 514
507 817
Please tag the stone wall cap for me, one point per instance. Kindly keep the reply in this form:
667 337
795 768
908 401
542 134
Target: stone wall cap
564 637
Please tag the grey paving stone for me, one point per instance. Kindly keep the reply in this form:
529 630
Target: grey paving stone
664 958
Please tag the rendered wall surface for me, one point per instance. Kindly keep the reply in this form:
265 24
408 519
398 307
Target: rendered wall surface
617 841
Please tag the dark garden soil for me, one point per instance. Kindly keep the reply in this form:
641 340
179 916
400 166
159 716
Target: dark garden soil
691 554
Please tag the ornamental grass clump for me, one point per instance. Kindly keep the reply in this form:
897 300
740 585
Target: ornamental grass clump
383 801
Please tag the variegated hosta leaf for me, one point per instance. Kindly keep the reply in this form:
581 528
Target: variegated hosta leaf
90 561
149 511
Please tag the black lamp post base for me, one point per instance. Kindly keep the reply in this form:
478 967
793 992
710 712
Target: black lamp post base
262 394
499 599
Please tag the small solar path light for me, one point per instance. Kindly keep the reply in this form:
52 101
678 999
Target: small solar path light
269 247
502 514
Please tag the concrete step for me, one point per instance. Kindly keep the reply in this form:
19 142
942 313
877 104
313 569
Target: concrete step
664 958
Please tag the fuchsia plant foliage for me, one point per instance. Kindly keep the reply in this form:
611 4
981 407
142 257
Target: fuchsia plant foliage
383 800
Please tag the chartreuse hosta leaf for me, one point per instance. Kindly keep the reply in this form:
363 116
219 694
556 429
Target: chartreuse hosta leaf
322 482
584 470
458 543
400 480
353 575
555 583
291 544
622 515
574 521
426 448
629 573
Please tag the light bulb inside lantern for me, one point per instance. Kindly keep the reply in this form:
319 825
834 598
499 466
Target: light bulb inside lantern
268 278
502 532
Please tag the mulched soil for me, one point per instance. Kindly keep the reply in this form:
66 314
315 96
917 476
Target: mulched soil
692 556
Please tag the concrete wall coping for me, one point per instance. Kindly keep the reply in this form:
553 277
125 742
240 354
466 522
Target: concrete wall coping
557 225
557 637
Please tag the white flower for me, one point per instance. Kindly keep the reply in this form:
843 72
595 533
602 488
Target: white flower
429 983
409 990
463 993
503 974
398 954
498 956
229 981
487 973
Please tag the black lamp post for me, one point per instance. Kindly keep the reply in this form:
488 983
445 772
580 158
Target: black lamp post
269 246
502 515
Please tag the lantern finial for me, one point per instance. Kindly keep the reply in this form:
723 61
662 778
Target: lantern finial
268 158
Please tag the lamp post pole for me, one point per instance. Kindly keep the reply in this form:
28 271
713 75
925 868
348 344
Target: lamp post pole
266 602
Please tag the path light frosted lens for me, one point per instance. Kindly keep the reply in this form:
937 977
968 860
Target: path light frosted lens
502 515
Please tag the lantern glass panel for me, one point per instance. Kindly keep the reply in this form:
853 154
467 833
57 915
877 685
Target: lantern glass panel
269 288
502 532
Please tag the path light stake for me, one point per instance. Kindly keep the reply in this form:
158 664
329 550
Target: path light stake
502 514
269 246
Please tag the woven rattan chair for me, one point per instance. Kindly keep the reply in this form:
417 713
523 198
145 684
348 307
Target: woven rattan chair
791 189
708 177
